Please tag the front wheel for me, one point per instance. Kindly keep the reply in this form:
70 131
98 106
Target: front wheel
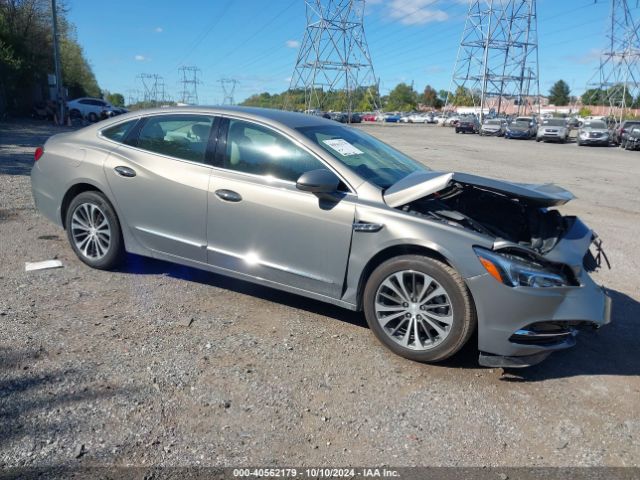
94 231
419 308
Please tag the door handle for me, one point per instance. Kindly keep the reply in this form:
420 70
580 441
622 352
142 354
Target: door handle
125 171
228 195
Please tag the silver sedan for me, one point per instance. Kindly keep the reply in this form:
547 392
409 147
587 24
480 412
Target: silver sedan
305 205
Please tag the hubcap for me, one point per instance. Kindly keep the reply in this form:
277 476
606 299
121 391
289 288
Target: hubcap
90 231
414 310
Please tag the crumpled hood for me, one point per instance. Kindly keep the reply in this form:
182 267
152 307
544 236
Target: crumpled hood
422 184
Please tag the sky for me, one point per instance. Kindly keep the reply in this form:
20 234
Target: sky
256 42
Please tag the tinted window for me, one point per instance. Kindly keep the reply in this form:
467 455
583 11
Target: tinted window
261 151
119 132
180 136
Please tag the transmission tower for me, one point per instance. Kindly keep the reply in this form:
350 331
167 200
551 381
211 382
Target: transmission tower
228 90
497 62
334 60
619 70
152 87
190 82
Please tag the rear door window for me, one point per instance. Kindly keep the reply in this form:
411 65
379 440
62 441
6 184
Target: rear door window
119 132
180 136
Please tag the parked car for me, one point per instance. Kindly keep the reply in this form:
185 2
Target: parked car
451 121
391 117
632 141
494 127
93 109
369 117
306 205
593 132
553 129
620 132
522 127
468 124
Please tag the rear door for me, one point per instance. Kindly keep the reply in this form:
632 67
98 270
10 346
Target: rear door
160 180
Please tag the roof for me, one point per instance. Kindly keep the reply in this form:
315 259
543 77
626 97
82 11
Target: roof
283 117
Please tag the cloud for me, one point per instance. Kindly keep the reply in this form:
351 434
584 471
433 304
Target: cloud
586 58
158 29
292 43
140 58
415 12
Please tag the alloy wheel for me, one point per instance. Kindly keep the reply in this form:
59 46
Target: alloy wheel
414 310
90 231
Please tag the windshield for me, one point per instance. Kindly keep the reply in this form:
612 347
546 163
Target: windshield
593 124
493 122
554 122
370 158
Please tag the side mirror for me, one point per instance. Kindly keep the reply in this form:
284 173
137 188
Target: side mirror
321 181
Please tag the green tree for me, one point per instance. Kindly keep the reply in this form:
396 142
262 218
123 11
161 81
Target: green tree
115 99
430 98
403 98
560 93
463 97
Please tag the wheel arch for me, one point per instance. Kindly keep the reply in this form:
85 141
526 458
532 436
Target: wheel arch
73 192
391 252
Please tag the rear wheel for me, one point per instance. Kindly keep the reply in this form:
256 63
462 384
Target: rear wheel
419 308
92 117
94 231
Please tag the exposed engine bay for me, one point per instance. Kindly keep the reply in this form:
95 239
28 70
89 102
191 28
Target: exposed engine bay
496 214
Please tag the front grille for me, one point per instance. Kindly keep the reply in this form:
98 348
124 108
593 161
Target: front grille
595 135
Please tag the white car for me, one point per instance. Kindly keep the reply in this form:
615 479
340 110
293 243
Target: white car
93 109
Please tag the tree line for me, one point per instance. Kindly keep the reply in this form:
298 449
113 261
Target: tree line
26 54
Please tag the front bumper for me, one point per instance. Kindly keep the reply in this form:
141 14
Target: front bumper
502 311
594 140
517 322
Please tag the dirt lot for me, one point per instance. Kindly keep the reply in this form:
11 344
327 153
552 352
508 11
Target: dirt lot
164 365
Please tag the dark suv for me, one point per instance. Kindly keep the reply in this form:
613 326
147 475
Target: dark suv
468 124
621 131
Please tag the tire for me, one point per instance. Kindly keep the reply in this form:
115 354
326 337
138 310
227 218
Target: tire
537 140
92 117
437 346
92 209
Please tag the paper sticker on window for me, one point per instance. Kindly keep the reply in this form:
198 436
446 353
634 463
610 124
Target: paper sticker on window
343 147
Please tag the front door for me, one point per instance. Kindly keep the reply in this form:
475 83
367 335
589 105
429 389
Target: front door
261 225
160 183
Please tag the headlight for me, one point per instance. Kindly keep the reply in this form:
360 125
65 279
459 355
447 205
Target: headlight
518 272
584 135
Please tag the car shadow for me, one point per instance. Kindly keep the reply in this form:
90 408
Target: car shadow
136 264
611 350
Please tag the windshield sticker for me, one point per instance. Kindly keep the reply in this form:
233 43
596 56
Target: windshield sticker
343 147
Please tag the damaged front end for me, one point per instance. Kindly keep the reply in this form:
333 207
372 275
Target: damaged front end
537 293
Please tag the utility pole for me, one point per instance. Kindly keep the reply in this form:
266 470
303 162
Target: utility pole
334 56
498 55
56 60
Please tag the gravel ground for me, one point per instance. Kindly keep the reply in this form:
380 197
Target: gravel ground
163 365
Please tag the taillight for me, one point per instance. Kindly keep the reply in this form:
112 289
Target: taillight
38 153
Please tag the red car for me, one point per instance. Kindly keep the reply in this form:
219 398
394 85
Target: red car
369 117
